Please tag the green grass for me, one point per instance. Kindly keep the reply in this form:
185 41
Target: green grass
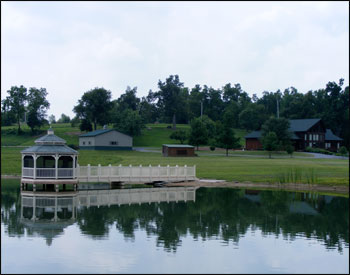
253 166
234 168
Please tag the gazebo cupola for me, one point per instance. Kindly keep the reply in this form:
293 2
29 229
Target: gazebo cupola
49 161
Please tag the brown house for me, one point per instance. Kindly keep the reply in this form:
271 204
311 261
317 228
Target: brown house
304 133
178 150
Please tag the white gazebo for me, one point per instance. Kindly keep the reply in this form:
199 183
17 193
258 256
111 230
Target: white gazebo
49 162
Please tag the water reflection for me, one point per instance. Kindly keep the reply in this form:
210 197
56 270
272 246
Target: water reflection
171 214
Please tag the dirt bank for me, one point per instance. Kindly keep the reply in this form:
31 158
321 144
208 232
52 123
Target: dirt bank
285 186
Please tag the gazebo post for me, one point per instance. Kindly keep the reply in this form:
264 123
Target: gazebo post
34 172
56 166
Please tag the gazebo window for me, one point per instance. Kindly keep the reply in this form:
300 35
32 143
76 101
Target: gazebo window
45 162
28 161
65 162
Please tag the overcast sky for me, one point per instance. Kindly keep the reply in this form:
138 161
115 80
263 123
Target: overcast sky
72 47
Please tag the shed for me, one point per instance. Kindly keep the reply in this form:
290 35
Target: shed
105 139
178 150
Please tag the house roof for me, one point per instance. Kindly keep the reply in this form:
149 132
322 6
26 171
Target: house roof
50 149
178 146
330 136
257 134
302 125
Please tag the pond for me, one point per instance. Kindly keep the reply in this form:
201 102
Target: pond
173 230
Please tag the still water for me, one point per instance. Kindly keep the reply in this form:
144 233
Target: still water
173 230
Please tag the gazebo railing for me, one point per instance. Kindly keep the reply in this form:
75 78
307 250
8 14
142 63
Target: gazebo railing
45 172
48 173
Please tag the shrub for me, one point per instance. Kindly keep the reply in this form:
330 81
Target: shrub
212 148
343 151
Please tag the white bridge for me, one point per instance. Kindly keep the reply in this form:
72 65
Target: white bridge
135 173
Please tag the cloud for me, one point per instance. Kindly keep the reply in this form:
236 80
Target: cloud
72 47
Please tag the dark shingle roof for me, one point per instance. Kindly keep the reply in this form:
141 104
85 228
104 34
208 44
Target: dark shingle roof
178 146
51 149
254 134
302 125
96 133
257 134
330 136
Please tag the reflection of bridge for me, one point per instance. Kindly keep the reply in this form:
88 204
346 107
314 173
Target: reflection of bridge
54 203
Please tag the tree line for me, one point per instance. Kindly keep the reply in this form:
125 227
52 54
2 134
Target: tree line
174 103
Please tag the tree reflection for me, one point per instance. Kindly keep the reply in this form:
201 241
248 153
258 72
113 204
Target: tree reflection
217 212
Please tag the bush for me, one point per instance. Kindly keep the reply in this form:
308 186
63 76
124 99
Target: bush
343 151
318 150
212 148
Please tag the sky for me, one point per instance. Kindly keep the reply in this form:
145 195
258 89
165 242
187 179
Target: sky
70 48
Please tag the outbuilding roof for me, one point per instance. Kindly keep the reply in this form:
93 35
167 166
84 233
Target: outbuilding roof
178 146
330 136
96 133
100 132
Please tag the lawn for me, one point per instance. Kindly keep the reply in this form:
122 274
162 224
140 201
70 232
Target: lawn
232 168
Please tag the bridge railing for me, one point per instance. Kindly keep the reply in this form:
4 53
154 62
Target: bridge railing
135 173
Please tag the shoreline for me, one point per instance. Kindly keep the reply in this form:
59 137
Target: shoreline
342 189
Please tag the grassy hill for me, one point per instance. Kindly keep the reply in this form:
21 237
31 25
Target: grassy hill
154 135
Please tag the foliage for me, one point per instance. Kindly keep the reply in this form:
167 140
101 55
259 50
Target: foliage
14 104
280 126
180 135
270 142
198 133
95 106
85 125
63 119
37 108
226 137
171 98
129 122
52 119
290 149
343 151
318 150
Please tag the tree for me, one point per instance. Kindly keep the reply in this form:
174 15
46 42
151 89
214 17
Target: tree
226 137
37 107
290 149
280 126
52 119
95 106
252 117
7 116
180 135
63 119
129 122
198 133
16 102
171 98
129 100
85 125
270 142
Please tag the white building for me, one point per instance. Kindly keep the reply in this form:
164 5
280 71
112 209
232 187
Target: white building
105 139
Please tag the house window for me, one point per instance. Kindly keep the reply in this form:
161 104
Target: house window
310 144
328 145
310 137
89 142
83 142
316 137
305 136
338 145
114 143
